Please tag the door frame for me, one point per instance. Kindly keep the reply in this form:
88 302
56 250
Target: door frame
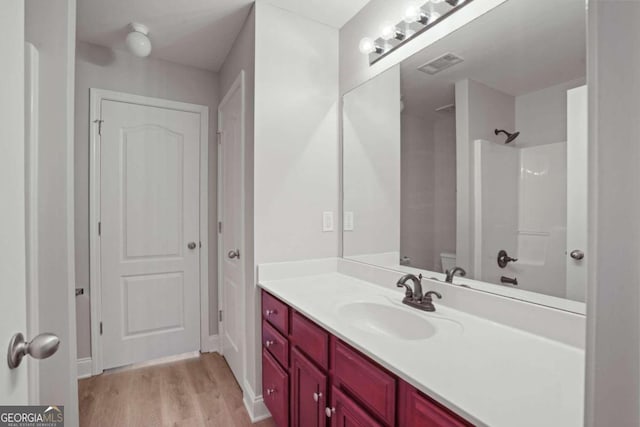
238 84
95 286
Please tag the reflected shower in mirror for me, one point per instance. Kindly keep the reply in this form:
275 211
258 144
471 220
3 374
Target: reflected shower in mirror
473 154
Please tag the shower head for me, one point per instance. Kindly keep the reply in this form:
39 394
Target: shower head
510 136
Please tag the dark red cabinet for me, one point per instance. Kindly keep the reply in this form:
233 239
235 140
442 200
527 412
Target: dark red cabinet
276 343
308 392
418 410
346 413
311 339
275 389
371 385
303 363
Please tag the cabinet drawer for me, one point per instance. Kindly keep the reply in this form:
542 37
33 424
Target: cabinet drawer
275 312
310 339
365 381
277 345
417 410
275 389
346 413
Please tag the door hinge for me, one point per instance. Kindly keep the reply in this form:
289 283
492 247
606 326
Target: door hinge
220 315
219 226
99 122
99 228
100 328
200 243
219 133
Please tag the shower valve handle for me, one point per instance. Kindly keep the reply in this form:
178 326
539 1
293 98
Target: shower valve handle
504 259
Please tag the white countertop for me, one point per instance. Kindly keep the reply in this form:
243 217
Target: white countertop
489 373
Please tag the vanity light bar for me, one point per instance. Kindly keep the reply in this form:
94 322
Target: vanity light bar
416 21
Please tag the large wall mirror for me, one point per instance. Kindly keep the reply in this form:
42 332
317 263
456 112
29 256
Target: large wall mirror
473 154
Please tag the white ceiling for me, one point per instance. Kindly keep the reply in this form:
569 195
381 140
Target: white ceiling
520 47
197 33
334 13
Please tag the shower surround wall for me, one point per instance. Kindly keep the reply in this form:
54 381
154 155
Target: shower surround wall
521 207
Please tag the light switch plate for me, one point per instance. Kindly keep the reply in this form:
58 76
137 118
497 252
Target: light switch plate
327 221
347 221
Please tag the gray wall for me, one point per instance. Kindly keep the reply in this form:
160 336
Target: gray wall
428 207
98 67
613 300
541 116
296 149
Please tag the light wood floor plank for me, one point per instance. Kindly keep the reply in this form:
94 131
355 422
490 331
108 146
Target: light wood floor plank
190 393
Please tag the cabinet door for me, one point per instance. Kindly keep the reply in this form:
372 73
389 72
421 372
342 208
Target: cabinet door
309 389
345 412
275 389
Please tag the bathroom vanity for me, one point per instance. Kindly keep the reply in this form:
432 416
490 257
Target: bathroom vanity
342 350
310 375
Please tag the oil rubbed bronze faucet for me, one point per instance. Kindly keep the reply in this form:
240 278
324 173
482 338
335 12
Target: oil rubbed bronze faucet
413 297
450 274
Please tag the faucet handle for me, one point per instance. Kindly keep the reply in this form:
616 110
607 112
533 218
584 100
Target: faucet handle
427 296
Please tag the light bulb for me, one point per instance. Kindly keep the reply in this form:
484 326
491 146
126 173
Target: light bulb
411 14
367 46
388 31
137 40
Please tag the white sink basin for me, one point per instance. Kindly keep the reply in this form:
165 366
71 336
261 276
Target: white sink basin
387 320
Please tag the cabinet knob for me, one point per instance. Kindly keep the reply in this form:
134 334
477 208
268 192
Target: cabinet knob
317 396
329 411
270 312
269 343
271 391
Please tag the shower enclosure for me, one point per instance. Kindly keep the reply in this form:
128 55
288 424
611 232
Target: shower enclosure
530 210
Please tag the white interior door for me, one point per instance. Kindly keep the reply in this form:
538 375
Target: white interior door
577 192
149 243
231 128
13 305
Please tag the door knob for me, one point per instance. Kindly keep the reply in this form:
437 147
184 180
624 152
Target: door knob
234 254
41 347
577 254
192 245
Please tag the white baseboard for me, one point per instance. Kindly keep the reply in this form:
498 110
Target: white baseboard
254 404
211 344
84 367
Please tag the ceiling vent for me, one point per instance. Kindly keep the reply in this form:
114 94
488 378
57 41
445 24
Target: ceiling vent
441 63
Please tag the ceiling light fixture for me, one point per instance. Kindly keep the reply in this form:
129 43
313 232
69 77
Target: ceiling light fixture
138 40
416 20
390 31
368 46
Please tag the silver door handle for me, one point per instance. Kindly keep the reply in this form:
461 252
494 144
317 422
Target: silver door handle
234 254
41 347
577 255
192 245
